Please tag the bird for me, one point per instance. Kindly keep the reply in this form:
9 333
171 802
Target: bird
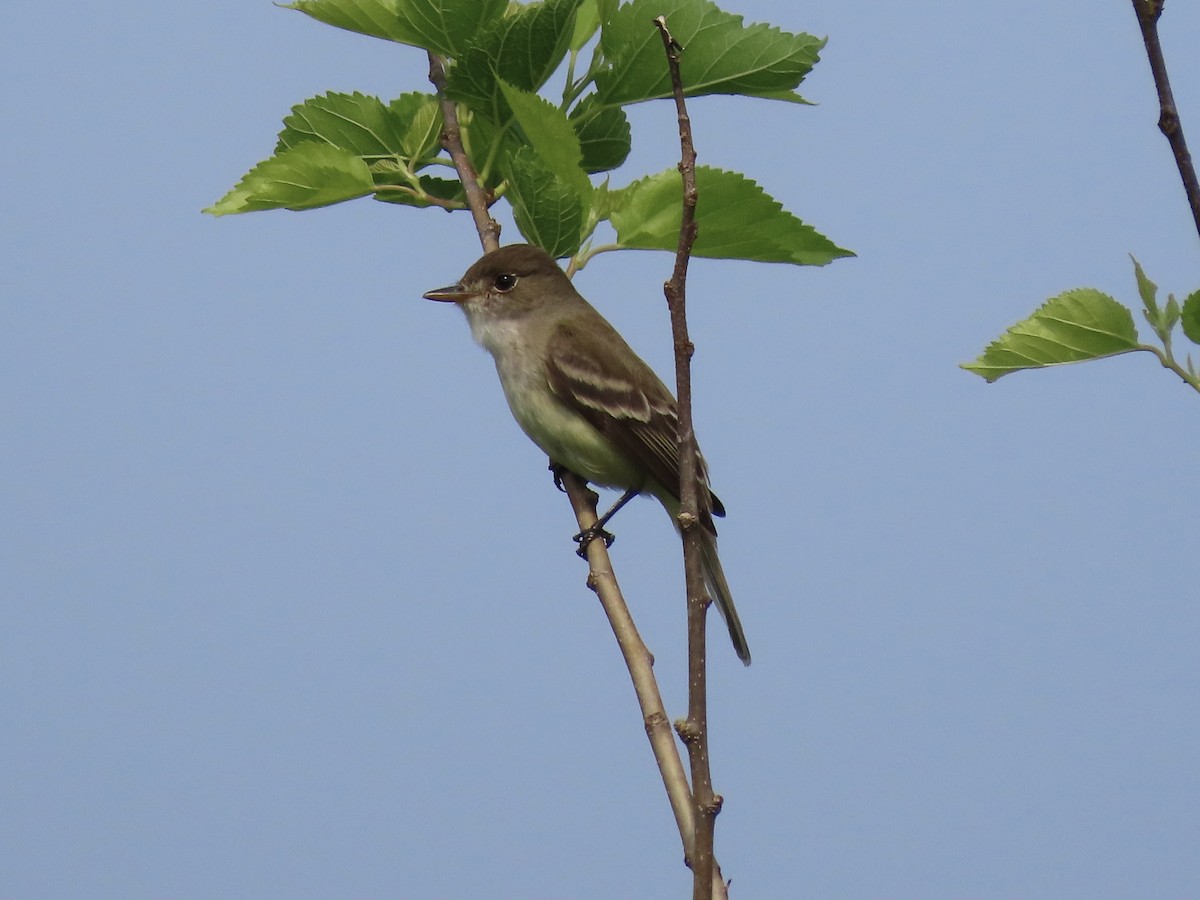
582 394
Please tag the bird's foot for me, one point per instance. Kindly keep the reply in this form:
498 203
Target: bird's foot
557 471
588 535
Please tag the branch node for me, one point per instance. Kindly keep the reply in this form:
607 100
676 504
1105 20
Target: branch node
674 48
689 732
655 721
1168 122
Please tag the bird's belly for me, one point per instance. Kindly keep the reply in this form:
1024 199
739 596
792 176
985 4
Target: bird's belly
566 437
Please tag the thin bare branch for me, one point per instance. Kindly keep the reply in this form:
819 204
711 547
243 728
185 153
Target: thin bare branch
638 660
478 199
706 874
1148 13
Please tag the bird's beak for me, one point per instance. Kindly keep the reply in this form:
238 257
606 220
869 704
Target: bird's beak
454 293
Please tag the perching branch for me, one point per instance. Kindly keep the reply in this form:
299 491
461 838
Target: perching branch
601 578
638 660
1148 13
706 874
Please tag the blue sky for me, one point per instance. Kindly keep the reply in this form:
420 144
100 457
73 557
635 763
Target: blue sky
288 605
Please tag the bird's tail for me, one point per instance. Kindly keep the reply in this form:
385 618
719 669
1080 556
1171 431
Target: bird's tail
714 578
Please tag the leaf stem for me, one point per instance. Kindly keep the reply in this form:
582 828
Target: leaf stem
585 257
1168 362
572 90
423 196
494 151
568 81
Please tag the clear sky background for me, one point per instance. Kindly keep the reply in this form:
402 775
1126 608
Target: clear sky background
288 604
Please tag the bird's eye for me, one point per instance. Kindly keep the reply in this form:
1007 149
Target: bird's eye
505 282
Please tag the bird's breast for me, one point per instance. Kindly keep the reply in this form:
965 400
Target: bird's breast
561 432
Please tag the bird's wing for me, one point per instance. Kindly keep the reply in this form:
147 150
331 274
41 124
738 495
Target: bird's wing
622 398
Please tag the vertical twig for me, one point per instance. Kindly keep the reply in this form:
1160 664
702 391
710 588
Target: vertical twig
601 578
1148 13
706 877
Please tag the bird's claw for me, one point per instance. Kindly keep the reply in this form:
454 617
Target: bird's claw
557 471
588 535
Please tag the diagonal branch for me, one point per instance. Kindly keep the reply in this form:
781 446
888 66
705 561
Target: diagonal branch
478 199
638 660
1148 13
601 578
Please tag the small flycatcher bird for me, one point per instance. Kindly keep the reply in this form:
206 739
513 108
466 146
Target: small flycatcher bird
581 393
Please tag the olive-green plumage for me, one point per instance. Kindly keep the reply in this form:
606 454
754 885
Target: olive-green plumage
581 393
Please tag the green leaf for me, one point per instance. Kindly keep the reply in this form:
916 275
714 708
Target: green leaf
523 49
736 219
484 140
720 56
545 128
1148 290
1171 314
607 9
423 136
604 135
387 138
587 23
1190 317
444 26
1078 325
364 126
302 177
548 210
600 207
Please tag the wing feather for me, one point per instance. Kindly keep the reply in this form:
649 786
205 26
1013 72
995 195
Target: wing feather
593 371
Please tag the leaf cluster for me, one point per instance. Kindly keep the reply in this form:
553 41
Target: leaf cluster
551 160
1085 323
